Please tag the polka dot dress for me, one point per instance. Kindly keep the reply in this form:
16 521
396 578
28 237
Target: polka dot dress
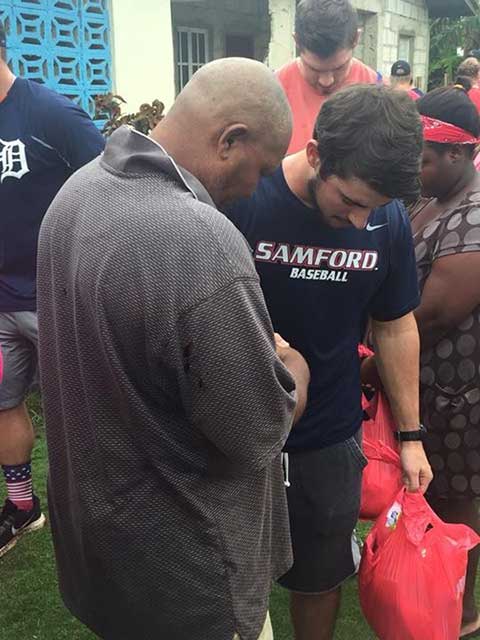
449 375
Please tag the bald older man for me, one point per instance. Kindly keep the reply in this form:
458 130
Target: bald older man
167 404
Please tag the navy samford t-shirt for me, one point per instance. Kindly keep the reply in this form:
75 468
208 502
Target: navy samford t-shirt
44 138
321 285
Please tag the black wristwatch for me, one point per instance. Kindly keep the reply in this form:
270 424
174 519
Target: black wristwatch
411 436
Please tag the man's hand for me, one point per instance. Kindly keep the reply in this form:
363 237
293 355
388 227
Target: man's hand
298 367
397 349
417 473
281 345
369 373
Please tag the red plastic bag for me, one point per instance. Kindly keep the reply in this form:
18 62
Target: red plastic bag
382 477
412 574
364 351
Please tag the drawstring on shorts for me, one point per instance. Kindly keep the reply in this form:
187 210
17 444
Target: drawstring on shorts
286 469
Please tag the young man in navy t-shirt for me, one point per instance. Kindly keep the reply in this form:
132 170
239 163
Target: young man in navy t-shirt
44 138
333 248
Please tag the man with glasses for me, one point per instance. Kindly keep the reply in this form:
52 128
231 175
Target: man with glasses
326 33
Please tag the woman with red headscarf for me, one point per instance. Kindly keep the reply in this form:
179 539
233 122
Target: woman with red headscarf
446 227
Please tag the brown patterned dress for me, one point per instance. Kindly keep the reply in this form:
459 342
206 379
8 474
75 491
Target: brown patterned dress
450 378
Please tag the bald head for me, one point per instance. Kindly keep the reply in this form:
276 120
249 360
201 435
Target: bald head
230 125
237 90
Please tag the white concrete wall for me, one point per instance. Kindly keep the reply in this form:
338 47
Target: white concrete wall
409 18
143 61
282 45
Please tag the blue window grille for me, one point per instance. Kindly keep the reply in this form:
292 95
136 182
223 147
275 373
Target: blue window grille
62 43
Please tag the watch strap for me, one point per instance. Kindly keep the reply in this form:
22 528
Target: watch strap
417 435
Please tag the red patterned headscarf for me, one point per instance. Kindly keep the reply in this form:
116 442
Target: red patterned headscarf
445 133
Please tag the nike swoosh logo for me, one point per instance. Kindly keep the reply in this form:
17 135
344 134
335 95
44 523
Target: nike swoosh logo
374 227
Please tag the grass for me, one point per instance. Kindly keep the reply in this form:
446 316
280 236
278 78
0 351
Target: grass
31 608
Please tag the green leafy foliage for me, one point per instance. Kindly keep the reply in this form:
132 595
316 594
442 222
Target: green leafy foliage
447 35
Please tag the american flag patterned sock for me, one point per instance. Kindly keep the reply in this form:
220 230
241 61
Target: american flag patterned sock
19 485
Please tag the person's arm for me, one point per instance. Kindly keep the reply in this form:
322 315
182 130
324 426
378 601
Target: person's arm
70 132
396 343
399 294
450 294
242 214
296 364
235 389
397 349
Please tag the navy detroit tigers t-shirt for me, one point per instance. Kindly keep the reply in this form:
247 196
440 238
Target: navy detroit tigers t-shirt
321 285
44 138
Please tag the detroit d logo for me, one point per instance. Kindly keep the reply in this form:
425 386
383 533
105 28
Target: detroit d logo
13 160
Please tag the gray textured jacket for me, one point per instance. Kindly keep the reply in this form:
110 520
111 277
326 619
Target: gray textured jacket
165 403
